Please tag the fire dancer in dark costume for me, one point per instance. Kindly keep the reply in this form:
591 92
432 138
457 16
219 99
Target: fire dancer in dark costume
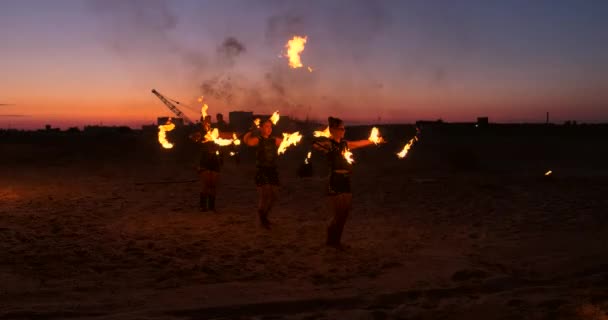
339 180
267 176
209 168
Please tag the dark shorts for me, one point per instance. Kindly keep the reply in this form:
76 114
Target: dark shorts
267 175
339 183
211 163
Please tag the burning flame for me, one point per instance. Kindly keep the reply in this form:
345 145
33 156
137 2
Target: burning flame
203 108
162 134
374 136
235 140
309 69
257 122
275 117
289 139
232 153
325 133
295 46
214 135
548 173
307 160
406 148
348 156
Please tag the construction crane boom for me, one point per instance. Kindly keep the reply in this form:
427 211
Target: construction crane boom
172 107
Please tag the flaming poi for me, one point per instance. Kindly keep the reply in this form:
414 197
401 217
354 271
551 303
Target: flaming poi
406 148
294 47
374 136
307 159
162 134
348 156
274 118
289 139
203 108
325 133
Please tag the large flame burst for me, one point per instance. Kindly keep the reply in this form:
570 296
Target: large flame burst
325 133
162 134
294 47
289 139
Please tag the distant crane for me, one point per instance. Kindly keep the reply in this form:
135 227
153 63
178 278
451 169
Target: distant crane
172 107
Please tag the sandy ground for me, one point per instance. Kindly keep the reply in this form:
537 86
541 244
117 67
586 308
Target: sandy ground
97 240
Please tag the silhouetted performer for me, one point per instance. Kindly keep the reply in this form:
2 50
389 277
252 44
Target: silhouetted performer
340 178
267 175
209 168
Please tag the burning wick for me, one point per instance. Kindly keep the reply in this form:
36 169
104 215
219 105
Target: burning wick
325 133
374 136
162 134
348 156
548 173
295 46
257 122
232 153
289 139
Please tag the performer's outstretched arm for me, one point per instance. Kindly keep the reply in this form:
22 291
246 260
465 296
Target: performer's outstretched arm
359 144
250 140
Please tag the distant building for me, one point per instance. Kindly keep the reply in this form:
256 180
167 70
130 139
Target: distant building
240 120
482 122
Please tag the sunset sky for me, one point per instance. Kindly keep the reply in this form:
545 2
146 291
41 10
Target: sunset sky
78 62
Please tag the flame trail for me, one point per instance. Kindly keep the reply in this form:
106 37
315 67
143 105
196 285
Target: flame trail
548 173
257 122
162 134
289 139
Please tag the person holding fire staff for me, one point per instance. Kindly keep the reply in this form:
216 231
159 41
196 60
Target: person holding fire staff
209 166
338 155
267 175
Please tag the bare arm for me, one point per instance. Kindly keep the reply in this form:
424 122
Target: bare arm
250 140
359 144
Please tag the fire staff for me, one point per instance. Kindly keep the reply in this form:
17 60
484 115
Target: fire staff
337 150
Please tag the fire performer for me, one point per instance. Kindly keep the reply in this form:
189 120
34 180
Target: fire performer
337 151
209 168
267 176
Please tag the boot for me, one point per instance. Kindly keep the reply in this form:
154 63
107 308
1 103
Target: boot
203 202
211 203
263 215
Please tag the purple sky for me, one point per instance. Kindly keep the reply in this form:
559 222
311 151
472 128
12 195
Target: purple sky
89 62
